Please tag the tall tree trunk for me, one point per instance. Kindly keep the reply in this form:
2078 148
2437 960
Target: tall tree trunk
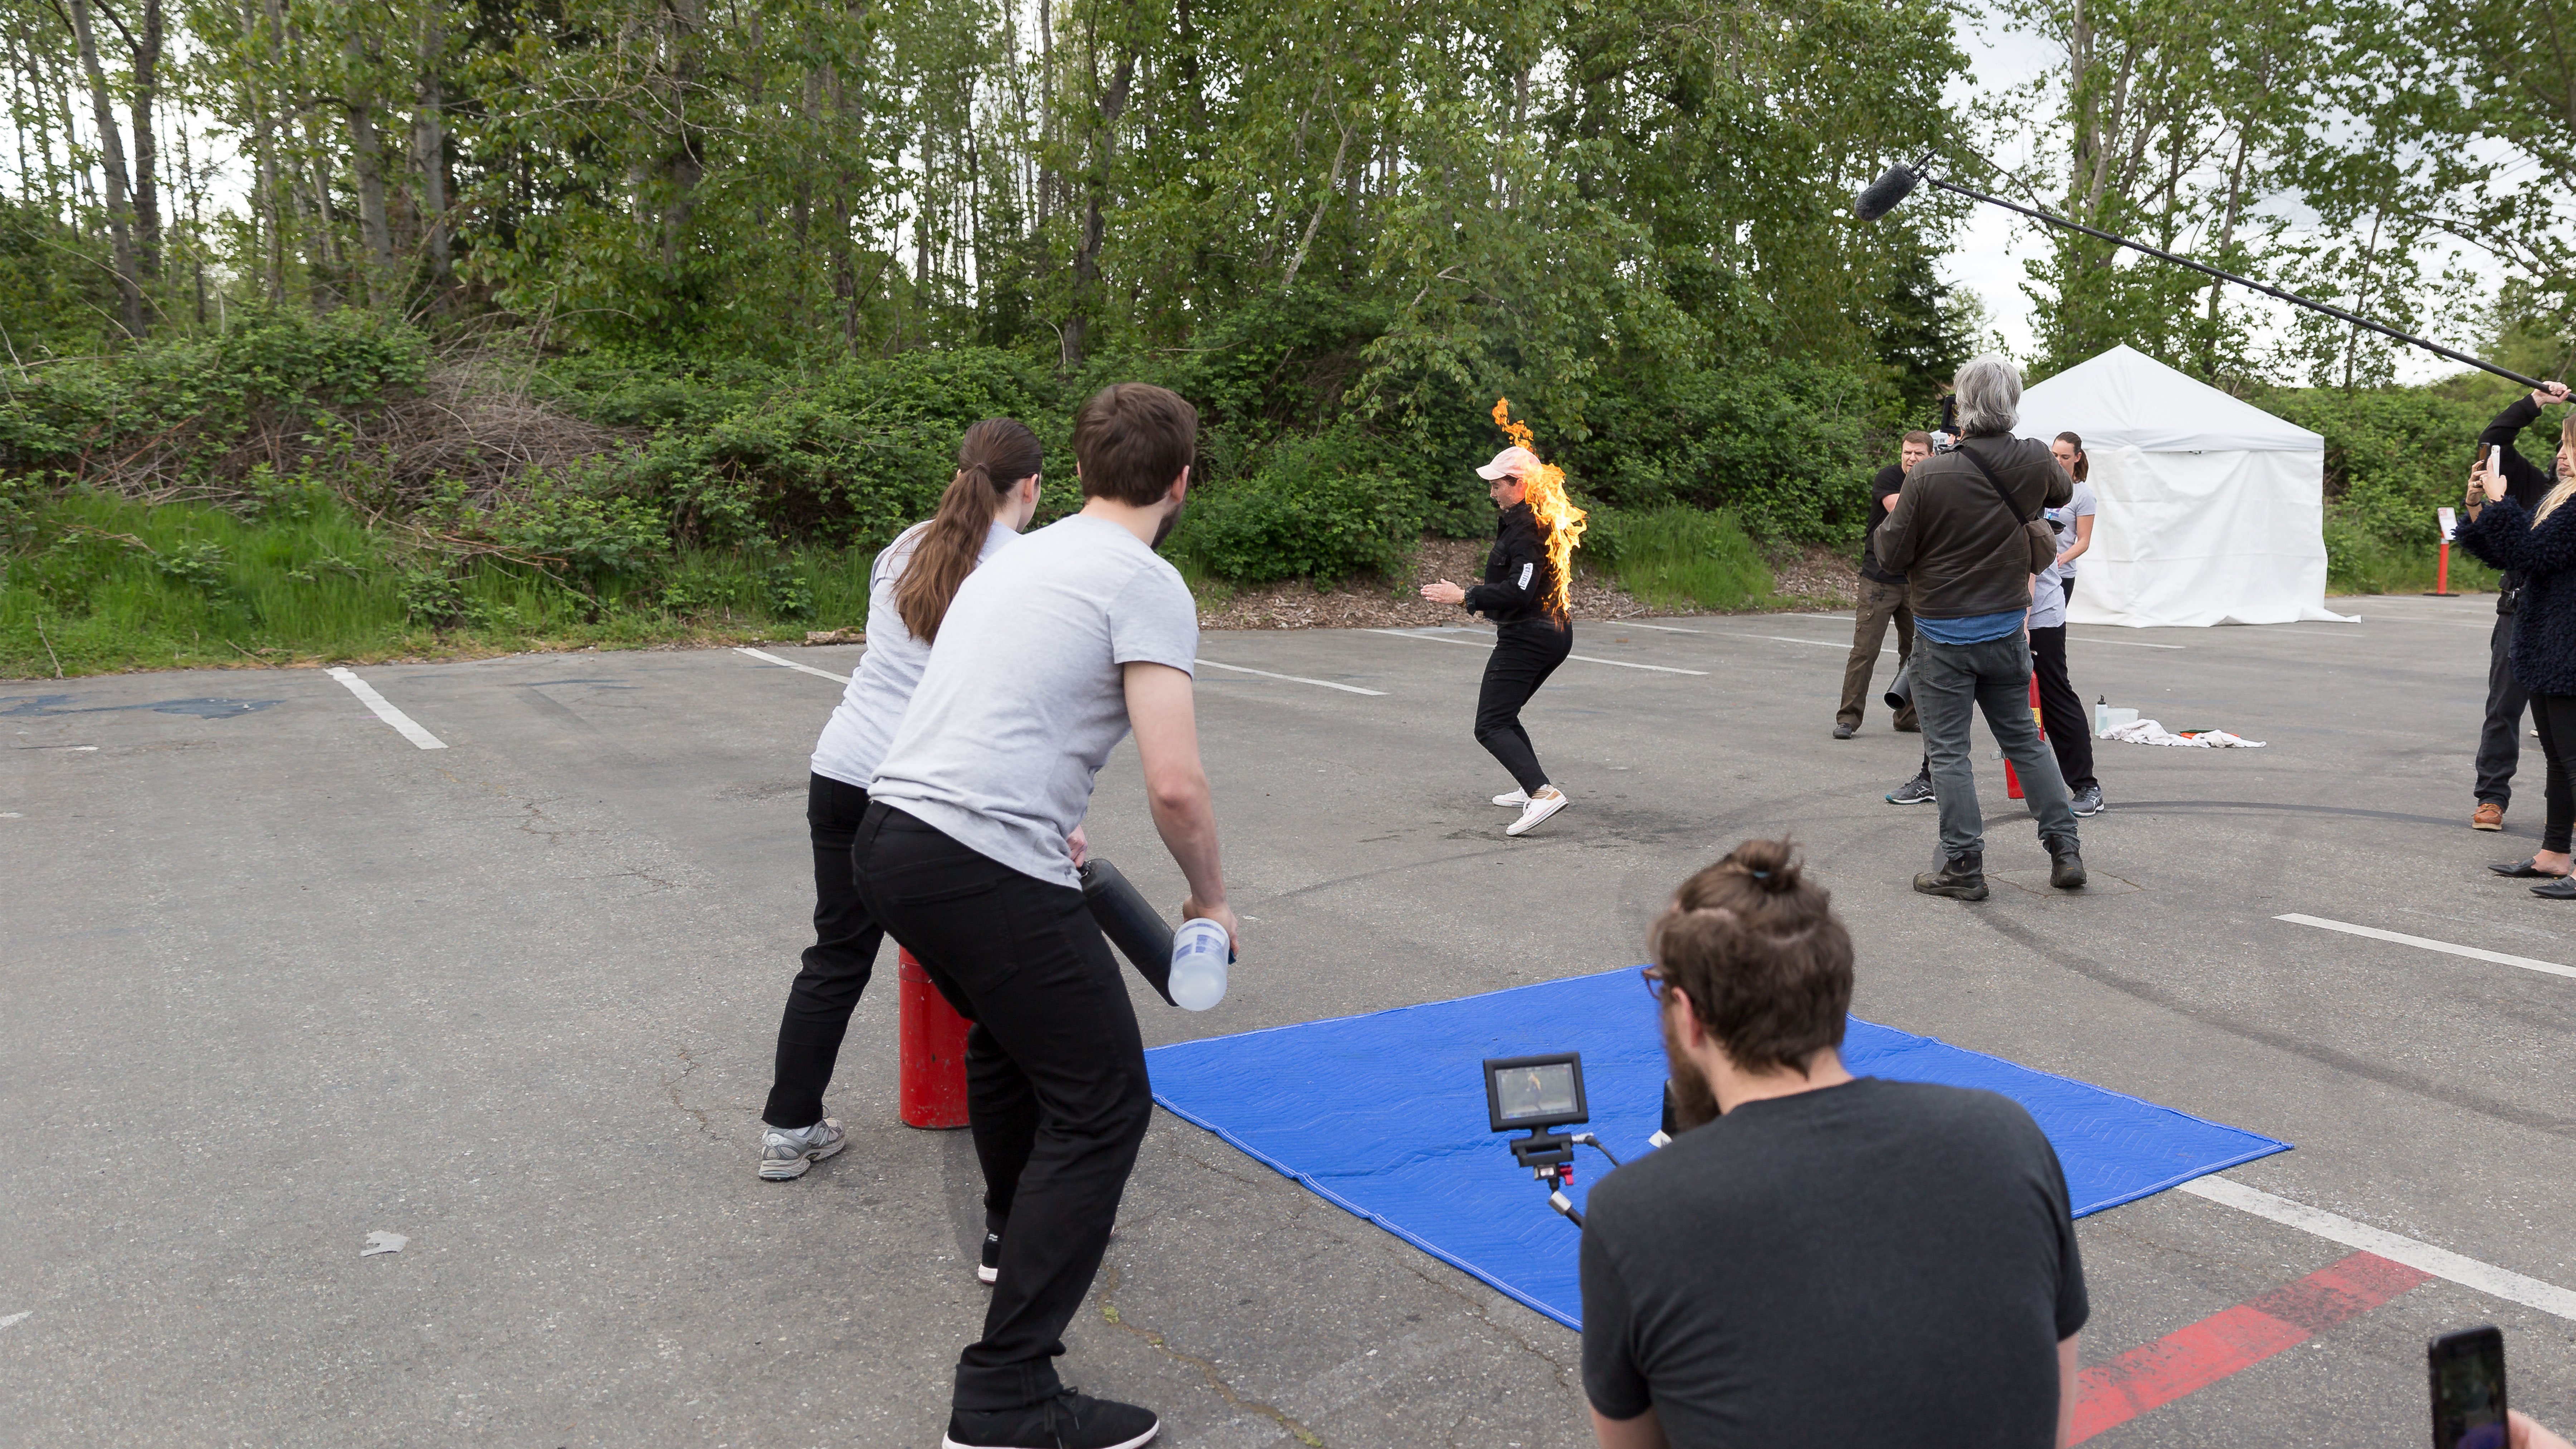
120 204
367 164
1108 106
147 149
429 153
265 210
1332 183
683 163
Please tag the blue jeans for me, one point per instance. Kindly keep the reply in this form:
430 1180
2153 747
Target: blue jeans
1953 681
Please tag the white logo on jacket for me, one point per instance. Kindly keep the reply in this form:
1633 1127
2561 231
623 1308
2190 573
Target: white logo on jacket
1526 571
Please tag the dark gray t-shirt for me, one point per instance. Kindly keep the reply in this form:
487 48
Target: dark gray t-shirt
1880 1263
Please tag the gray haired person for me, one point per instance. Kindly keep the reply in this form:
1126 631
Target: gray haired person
1961 534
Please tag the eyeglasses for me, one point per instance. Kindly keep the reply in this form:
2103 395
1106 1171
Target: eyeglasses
1656 985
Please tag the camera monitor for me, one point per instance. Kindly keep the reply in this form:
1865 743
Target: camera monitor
1535 1092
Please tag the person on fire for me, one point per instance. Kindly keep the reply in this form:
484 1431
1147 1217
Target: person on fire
1525 594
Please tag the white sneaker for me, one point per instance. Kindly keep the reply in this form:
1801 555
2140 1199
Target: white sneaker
1542 805
1514 800
785 1155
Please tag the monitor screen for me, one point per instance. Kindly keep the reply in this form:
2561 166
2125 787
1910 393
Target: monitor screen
1530 1094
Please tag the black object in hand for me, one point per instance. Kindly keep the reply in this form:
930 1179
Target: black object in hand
1137 929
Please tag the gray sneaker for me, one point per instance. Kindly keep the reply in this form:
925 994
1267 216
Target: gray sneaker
2087 801
784 1155
1917 791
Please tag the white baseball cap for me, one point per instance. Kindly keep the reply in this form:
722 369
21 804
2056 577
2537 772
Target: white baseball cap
1516 461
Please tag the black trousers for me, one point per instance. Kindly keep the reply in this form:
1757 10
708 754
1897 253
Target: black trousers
837 965
1525 654
2070 730
2500 743
2556 716
1056 1091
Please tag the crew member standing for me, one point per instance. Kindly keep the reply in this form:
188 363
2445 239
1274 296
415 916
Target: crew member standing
1881 600
1524 595
1049 654
2500 744
993 497
2061 709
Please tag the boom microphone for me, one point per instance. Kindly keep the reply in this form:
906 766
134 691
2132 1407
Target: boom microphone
1885 192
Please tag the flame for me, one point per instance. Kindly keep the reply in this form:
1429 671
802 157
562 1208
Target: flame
1558 519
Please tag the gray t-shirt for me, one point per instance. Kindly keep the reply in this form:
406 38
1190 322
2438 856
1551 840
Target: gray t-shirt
1024 698
2048 591
863 724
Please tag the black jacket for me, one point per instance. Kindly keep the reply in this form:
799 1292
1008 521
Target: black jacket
1961 553
2544 559
2524 482
1518 575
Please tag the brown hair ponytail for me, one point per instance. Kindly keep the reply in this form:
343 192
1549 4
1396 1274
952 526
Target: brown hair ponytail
992 459
2083 460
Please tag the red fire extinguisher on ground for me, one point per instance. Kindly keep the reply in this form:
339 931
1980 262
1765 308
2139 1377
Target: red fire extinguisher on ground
2012 780
933 1051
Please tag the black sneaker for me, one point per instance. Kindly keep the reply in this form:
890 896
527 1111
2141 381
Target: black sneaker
1070 1420
1917 791
1961 878
990 1270
2087 801
2066 867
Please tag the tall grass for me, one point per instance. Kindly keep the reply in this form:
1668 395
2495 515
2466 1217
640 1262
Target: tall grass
1678 557
96 583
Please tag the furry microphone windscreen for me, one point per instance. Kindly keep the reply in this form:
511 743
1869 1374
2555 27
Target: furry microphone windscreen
1884 193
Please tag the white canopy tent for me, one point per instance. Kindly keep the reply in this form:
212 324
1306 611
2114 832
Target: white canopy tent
2212 510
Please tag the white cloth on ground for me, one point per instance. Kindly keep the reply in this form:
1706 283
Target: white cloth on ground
2148 732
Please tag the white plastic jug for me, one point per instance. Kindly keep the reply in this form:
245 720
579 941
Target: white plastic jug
1200 952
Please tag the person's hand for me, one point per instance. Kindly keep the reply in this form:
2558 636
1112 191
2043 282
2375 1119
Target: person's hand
2491 485
1444 592
2522 1433
2063 557
1221 913
2549 393
1080 847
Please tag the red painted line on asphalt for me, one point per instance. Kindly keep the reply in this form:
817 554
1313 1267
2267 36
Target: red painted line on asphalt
2184 1362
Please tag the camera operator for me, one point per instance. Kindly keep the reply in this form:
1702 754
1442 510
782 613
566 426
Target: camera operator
1881 599
1966 533
1830 1260
2500 744
1051 650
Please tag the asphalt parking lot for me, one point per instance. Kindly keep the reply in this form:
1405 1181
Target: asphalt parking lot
276 977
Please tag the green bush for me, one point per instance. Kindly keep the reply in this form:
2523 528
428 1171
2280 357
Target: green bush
1677 557
1316 511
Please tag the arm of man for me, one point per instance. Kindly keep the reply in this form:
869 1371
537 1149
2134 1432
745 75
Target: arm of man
1895 539
1161 711
2066 1389
1647 1432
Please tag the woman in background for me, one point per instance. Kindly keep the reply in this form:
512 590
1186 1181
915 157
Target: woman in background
2061 710
2538 545
993 497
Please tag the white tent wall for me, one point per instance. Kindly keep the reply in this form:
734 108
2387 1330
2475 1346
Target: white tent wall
2212 510
2197 539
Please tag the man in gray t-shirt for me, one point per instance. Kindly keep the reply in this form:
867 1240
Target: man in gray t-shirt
1052 651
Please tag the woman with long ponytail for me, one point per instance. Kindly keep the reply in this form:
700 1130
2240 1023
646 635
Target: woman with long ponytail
992 497
2537 545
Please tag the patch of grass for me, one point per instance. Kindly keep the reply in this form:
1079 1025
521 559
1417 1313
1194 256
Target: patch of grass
92 583
1679 557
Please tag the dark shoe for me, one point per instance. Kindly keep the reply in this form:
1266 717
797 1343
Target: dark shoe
1845 731
2087 801
2523 870
1917 791
2561 889
2488 816
1070 1420
1961 878
990 1269
2066 867
1908 727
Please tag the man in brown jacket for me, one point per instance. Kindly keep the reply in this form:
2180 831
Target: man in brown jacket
1959 535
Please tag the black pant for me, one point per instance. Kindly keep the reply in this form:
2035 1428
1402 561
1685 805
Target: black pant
1525 654
1055 1079
837 965
2556 716
2070 733
2500 743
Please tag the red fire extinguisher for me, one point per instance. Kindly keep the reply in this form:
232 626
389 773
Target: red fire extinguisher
933 1051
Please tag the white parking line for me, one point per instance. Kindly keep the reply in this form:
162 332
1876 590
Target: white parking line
2429 944
385 711
792 664
2125 643
2468 1272
1586 658
1658 628
1785 639
1291 678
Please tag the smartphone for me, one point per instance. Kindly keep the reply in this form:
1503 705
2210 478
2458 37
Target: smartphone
2495 462
2468 1389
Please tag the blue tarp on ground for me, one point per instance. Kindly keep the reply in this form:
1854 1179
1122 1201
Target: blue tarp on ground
1384 1116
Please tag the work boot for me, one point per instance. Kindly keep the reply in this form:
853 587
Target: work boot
1961 878
2065 865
